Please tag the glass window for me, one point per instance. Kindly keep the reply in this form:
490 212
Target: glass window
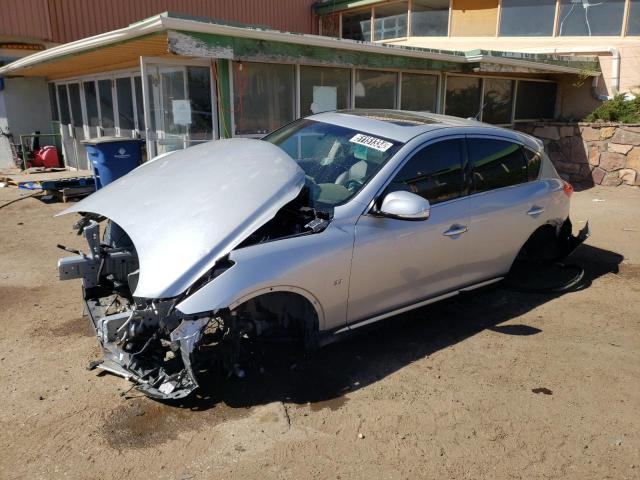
533 164
589 17
323 89
357 25
498 100
429 18
434 173
375 89
137 81
419 92
390 21
76 106
65 116
330 25
263 96
463 96
53 101
527 18
496 164
199 91
91 101
125 103
535 100
337 163
106 103
633 25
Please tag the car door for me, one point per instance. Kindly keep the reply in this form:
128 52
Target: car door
506 207
397 262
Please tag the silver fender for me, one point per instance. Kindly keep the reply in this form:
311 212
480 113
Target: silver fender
315 266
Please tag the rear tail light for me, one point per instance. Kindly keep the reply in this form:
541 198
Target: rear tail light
567 188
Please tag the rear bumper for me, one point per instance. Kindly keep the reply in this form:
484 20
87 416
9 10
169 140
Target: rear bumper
567 242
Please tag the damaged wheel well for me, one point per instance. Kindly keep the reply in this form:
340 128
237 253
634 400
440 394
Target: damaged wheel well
541 246
282 315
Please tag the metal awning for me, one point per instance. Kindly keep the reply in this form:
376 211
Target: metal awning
167 35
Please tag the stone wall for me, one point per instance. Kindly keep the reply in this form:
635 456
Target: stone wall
591 153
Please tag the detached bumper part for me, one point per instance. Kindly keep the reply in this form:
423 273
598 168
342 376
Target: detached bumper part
567 242
162 365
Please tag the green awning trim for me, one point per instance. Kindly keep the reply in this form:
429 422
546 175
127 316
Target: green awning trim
238 48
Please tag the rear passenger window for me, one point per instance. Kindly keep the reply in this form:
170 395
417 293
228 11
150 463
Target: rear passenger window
533 164
434 173
496 164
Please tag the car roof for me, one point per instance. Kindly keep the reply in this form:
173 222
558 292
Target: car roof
402 125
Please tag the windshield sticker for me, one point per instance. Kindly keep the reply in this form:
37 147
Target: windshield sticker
371 142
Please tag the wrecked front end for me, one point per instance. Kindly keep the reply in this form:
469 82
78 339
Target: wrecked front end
169 230
146 341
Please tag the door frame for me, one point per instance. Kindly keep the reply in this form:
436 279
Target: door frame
146 64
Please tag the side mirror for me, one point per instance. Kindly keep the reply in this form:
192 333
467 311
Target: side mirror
405 206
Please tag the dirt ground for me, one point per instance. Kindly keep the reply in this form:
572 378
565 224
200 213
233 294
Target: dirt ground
495 384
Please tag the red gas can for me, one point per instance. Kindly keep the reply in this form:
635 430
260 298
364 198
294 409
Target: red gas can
47 157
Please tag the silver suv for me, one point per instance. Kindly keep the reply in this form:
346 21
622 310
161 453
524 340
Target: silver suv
330 223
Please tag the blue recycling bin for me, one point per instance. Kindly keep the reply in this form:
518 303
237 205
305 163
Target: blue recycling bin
113 157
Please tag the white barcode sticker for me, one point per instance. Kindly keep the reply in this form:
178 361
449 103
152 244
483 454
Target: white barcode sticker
371 142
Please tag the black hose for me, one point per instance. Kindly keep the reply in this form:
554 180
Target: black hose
18 199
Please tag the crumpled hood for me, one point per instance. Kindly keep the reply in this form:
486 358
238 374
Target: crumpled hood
186 210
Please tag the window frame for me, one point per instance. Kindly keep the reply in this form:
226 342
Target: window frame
358 10
298 81
438 78
374 18
554 23
536 153
410 23
554 33
472 183
464 159
626 7
517 80
379 195
396 88
295 93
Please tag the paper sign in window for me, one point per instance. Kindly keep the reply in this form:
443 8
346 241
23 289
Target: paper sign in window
181 112
371 142
325 99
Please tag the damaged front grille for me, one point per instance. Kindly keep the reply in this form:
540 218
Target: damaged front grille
147 342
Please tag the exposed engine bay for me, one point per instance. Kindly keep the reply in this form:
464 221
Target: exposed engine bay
153 344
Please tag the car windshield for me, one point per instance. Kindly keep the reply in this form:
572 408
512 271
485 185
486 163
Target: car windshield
337 161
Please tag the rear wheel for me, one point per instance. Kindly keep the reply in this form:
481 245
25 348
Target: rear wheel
538 269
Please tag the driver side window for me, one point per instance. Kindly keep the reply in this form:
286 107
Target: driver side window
436 172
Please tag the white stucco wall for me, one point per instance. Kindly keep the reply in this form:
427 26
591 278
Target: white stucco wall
24 108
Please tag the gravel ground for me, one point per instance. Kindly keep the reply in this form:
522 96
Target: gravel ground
494 384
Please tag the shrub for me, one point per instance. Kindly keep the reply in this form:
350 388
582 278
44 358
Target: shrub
617 110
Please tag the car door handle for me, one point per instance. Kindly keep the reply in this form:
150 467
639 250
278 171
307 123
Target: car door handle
535 210
455 230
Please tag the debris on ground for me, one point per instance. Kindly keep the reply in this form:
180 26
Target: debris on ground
543 390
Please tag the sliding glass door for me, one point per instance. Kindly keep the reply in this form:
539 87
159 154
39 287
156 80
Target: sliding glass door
179 105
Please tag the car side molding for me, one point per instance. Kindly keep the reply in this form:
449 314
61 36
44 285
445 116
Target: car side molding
423 303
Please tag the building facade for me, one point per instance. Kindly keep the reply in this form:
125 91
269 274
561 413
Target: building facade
176 81
609 29
30 26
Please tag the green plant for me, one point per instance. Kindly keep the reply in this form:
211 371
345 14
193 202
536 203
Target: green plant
617 110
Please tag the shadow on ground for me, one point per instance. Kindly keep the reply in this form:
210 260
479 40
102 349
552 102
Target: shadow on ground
323 378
